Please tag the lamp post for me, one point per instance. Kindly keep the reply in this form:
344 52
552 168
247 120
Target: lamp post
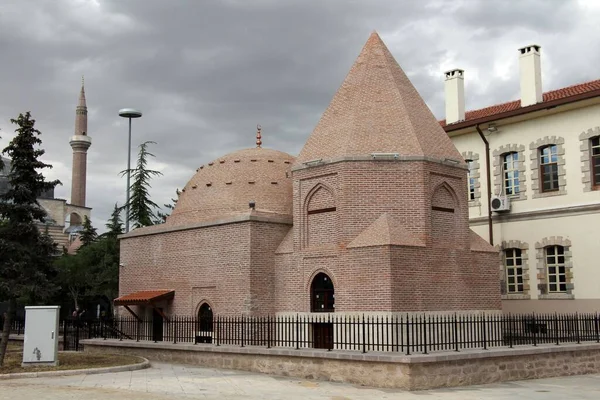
128 113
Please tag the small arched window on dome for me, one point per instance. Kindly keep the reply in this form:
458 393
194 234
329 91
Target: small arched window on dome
322 294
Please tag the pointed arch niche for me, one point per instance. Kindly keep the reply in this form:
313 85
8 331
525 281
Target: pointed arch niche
444 207
321 218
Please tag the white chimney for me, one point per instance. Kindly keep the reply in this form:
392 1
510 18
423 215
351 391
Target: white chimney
455 96
531 75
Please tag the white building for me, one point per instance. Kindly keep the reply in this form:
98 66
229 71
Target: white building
544 157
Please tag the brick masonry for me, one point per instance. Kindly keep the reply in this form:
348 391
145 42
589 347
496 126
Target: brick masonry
416 372
391 231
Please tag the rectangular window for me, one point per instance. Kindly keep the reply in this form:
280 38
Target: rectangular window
595 150
510 169
555 265
471 180
549 168
514 270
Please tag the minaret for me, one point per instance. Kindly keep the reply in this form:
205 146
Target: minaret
80 143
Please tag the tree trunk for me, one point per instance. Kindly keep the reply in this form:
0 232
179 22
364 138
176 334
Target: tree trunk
8 315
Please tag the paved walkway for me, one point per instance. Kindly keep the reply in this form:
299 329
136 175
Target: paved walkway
166 381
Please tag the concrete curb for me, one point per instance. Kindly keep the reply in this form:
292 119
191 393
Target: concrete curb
68 372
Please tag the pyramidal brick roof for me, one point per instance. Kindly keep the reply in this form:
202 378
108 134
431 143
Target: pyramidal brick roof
377 110
386 231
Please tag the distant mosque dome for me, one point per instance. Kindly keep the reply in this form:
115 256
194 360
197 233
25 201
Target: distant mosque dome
226 186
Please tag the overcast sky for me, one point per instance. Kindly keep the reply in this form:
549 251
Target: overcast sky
205 72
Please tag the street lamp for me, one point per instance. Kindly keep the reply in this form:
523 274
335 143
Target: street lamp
128 113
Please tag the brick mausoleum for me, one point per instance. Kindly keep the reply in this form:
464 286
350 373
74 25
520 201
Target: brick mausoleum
371 217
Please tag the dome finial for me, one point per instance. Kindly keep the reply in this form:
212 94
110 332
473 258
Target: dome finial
258 136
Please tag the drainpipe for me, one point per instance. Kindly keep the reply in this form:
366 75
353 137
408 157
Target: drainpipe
489 183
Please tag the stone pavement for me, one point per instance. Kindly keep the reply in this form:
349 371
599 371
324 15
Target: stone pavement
166 381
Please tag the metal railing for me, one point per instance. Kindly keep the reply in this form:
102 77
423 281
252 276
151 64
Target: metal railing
407 334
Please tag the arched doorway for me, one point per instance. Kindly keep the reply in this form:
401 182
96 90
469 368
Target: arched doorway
322 300
205 324
322 294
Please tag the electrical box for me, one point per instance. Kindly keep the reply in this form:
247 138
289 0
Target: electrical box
41 335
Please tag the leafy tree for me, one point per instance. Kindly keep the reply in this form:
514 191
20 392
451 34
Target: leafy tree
26 254
88 235
162 217
141 208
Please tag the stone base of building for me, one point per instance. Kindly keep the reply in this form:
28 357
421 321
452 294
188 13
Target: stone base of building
550 306
389 370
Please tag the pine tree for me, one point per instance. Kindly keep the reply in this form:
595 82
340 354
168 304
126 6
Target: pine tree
26 255
115 225
162 217
88 235
141 208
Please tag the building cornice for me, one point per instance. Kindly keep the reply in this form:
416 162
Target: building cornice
378 158
471 123
255 216
539 214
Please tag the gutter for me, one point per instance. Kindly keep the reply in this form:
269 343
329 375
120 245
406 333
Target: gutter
489 183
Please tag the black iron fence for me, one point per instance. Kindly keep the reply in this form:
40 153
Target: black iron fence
407 334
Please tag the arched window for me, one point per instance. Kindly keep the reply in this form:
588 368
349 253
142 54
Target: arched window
595 157
510 173
205 318
322 294
549 167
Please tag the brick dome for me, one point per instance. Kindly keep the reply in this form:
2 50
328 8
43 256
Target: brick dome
224 187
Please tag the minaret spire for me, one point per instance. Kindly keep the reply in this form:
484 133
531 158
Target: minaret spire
80 143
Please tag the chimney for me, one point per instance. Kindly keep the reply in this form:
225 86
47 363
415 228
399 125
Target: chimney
455 96
531 75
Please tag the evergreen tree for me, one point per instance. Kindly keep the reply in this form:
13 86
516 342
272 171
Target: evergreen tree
115 225
141 208
88 234
162 217
26 255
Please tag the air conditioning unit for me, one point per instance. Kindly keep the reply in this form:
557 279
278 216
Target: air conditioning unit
500 203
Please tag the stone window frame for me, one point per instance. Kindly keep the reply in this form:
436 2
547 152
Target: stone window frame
474 173
586 162
524 247
536 185
499 176
542 273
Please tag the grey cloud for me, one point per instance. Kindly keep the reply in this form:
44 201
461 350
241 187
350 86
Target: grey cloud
206 72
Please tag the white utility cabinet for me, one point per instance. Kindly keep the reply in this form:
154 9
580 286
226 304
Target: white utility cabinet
41 335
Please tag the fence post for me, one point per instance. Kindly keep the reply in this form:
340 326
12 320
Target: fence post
455 332
218 323
534 329
597 328
485 347
297 332
556 328
577 328
510 331
268 332
330 344
139 322
174 319
77 335
407 335
425 324
364 335
242 325
65 336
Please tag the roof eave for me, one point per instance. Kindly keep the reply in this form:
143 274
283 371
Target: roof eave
521 110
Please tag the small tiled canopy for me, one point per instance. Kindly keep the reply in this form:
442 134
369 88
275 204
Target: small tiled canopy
144 297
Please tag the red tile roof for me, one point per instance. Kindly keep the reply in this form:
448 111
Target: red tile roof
144 297
553 95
